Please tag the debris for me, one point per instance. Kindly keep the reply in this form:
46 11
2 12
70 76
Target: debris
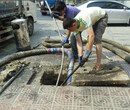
10 70
11 80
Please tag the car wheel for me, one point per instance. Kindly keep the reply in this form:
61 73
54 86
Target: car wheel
30 25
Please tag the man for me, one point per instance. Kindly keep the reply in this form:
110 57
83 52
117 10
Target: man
94 20
67 11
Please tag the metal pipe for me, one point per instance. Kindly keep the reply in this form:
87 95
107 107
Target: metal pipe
10 81
32 77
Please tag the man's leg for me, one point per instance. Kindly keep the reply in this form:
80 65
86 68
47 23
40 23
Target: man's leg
99 29
99 54
74 46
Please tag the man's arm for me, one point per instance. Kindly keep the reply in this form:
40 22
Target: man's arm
56 15
66 40
88 47
61 18
91 38
68 34
79 45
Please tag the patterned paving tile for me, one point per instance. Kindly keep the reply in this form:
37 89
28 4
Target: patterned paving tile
100 91
102 101
67 98
85 101
104 108
40 107
18 106
44 89
121 101
118 91
26 98
5 106
44 99
8 97
14 89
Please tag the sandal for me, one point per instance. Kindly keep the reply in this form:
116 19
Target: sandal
96 69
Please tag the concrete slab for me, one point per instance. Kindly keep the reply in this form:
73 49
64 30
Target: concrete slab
111 74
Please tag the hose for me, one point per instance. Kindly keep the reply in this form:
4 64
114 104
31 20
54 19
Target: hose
19 55
69 76
62 45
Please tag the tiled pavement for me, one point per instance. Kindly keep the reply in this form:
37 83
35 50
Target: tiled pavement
65 98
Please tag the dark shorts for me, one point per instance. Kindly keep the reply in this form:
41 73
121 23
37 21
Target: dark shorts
99 28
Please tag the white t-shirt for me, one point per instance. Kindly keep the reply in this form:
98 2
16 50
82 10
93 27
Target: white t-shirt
88 17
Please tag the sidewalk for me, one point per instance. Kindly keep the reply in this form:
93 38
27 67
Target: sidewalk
65 98
118 34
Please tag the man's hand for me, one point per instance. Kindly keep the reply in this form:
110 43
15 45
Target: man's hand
83 59
81 63
66 40
54 15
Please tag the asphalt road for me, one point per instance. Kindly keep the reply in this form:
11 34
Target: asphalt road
44 28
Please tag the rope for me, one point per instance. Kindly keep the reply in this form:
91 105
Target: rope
62 56
62 46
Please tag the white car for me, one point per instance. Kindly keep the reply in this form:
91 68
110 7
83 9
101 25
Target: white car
118 13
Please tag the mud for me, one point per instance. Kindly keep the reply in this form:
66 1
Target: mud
10 70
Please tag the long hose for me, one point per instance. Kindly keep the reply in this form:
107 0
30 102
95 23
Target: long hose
62 58
62 45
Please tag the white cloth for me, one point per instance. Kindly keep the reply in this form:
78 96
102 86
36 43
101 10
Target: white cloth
88 17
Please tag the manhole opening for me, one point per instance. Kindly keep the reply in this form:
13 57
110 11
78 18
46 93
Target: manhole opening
50 78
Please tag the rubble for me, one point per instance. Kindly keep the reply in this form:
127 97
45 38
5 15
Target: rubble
10 70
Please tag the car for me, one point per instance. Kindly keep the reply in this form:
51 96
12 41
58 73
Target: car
118 13
44 8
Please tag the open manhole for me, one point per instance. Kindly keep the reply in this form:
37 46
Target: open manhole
50 78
